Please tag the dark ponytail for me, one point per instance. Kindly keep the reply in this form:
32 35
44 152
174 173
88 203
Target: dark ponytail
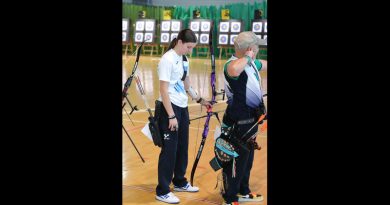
172 44
186 36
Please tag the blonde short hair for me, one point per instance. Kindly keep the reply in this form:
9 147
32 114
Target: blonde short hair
247 39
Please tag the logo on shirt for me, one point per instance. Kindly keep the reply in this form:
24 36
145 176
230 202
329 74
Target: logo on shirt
179 87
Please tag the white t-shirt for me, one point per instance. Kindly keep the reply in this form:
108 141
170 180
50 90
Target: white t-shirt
170 69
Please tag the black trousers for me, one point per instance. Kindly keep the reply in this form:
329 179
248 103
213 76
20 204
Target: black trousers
173 159
243 165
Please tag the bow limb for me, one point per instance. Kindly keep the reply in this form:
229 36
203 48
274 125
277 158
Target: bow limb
130 79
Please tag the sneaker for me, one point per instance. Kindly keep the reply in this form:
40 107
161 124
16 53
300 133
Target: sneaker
233 203
187 188
250 197
169 198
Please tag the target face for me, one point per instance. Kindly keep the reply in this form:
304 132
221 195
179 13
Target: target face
175 25
257 26
149 36
195 25
149 26
205 26
173 35
204 38
165 25
223 39
139 25
125 24
236 26
139 37
124 36
224 27
165 38
232 37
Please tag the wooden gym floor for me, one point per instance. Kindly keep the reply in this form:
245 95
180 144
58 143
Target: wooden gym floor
140 179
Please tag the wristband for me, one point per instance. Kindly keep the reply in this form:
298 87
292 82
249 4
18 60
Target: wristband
249 59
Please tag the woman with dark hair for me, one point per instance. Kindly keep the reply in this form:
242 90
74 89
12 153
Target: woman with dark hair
173 71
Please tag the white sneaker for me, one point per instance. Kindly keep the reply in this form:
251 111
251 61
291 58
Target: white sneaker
250 197
187 188
169 198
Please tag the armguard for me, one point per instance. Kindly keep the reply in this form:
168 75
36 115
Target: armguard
192 93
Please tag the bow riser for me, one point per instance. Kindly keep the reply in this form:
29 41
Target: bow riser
209 110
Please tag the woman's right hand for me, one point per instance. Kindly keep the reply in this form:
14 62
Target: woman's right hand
250 53
206 103
173 125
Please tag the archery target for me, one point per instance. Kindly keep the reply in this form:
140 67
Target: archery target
125 24
124 36
205 26
232 37
164 38
257 26
195 25
224 27
223 39
236 27
139 25
149 26
149 36
138 37
173 35
265 27
204 38
175 26
165 25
